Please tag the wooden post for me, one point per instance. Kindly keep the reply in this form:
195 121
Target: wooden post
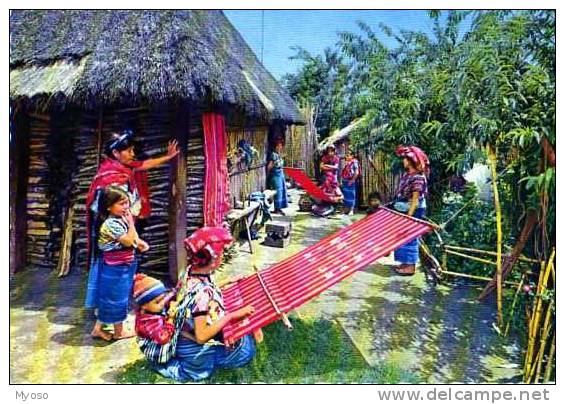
99 137
177 194
19 163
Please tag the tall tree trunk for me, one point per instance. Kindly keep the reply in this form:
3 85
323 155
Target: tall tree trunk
509 261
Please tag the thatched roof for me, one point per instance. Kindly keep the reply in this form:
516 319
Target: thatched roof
112 57
339 135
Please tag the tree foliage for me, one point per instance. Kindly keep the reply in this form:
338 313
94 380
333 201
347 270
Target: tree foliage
451 92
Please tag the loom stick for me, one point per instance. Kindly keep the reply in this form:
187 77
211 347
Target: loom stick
277 310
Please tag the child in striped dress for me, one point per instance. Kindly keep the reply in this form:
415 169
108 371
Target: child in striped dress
117 241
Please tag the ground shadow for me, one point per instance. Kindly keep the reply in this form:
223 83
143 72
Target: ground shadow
314 351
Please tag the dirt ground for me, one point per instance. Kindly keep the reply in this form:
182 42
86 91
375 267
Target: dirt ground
438 332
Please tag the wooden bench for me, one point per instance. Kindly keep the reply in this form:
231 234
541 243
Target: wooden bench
248 214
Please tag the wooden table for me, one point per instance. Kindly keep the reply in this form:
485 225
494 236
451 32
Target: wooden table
248 214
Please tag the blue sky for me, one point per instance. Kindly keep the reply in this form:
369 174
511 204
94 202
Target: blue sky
314 30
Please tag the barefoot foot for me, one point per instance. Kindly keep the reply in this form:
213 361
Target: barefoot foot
104 335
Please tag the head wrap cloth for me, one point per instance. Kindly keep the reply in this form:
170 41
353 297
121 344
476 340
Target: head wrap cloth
416 156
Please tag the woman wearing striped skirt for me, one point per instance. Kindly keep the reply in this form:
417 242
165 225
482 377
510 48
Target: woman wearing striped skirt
349 175
411 199
275 175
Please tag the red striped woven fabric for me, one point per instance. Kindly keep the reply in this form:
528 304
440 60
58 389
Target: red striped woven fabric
307 184
297 279
216 197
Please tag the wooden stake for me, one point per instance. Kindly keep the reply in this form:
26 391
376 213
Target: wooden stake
63 265
492 158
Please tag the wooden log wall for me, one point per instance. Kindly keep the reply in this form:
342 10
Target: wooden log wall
195 166
39 227
86 148
243 182
378 178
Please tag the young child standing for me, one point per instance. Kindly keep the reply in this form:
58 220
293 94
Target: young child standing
117 241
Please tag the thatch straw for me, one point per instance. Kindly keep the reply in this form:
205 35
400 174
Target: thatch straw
127 57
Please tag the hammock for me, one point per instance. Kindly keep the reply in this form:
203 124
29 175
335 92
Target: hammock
296 280
307 184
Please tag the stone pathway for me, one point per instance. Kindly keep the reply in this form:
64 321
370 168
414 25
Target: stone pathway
439 333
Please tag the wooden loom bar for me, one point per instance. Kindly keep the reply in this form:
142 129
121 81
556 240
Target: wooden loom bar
277 310
492 253
484 261
476 277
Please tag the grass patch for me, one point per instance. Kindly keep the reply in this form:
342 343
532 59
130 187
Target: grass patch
316 351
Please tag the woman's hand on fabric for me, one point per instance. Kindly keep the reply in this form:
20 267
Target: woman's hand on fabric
142 245
243 312
172 149
235 279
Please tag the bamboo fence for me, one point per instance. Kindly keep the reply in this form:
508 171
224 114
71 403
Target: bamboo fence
300 145
253 178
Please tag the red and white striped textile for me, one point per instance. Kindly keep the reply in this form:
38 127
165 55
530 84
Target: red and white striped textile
302 179
297 279
216 182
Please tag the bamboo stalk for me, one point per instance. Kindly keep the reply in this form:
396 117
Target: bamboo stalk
493 253
544 334
492 159
531 316
514 301
476 277
484 261
535 320
549 365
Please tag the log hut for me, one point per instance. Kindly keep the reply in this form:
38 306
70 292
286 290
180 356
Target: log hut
76 76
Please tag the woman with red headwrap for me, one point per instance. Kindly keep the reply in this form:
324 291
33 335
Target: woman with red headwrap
201 349
411 199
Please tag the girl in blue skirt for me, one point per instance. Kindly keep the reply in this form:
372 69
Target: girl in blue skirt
349 175
117 241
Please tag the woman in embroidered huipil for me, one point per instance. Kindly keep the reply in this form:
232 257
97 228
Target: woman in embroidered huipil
201 349
411 199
